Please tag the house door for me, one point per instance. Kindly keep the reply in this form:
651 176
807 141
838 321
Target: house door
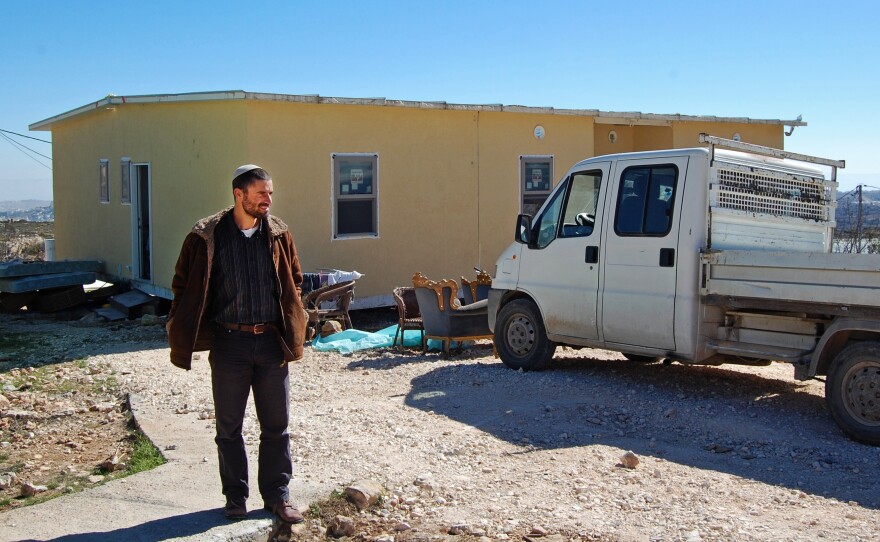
141 226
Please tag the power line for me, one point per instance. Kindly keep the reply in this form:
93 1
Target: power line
847 194
25 146
27 136
17 145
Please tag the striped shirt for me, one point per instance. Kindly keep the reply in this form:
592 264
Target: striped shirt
242 276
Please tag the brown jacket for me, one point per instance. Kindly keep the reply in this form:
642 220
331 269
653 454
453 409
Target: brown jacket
188 327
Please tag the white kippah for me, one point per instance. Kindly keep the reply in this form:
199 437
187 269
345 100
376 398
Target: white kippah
244 169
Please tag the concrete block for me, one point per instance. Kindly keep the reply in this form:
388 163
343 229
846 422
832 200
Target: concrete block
24 269
32 283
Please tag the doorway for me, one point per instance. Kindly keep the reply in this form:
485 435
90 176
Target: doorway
141 222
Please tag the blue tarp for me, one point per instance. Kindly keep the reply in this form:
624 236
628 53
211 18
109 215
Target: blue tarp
353 340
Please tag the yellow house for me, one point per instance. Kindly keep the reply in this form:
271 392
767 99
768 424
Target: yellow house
384 187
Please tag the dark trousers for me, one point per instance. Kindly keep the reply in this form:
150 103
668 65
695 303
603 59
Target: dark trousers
240 362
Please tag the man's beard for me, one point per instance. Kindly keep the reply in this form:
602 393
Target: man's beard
253 209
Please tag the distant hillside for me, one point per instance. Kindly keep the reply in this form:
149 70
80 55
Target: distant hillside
30 210
847 211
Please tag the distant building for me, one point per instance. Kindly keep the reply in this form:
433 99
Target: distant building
384 187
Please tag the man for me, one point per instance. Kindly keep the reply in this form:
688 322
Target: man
237 287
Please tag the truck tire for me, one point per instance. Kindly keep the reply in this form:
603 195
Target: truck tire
852 391
520 337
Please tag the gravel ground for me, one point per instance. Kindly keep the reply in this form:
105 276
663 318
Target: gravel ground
470 447
467 446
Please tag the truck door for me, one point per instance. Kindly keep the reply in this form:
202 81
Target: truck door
561 269
641 241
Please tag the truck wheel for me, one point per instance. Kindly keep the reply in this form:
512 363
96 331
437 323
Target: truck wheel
852 391
639 358
520 337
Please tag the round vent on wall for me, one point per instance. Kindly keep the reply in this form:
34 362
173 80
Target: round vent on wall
612 136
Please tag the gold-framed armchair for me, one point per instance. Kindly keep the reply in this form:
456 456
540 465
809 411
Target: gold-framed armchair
477 289
443 316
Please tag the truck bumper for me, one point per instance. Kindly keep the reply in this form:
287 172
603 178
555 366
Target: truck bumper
495 297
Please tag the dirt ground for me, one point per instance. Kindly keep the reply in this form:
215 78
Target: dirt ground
469 447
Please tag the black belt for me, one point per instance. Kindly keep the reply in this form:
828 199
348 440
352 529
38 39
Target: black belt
256 329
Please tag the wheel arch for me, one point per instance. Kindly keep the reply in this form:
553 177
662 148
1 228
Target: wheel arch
838 335
503 298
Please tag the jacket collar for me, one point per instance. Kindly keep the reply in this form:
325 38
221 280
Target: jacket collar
205 227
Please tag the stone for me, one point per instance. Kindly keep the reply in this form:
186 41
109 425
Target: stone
8 480
330 327
364 493
538 531
629 460
340 526
150 320
29 490
459 529
112 464
4 402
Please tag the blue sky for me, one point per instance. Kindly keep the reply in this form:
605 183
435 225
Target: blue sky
768 59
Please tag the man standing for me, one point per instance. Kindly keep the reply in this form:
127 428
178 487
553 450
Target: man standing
237 287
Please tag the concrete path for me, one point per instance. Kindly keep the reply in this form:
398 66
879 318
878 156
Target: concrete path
178 501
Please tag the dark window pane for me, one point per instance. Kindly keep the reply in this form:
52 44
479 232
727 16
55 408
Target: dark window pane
531 204
354 217
646 198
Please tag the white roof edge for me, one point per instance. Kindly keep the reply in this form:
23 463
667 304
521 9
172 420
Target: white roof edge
602 117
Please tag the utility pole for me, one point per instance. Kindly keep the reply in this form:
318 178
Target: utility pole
859 223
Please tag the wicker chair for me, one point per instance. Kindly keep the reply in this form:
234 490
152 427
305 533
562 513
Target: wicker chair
476 290
444 318
408 313
340 294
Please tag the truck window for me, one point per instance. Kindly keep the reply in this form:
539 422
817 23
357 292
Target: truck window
580 209
645 200
548 223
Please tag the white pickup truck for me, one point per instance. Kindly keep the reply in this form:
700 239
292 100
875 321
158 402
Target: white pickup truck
702 256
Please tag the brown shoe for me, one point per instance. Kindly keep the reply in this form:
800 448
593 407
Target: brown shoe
235 509
286 512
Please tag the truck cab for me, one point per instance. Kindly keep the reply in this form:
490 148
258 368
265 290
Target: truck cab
610 260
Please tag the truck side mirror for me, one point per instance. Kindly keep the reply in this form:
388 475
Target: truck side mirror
523 229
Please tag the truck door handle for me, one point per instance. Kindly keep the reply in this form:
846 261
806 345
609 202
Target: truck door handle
592 255
667 257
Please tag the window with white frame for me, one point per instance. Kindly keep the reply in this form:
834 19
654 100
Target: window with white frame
355 195
104 179
125 186
536 182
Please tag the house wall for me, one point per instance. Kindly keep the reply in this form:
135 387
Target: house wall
504 137
191 149
687 134
427 174
448 180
